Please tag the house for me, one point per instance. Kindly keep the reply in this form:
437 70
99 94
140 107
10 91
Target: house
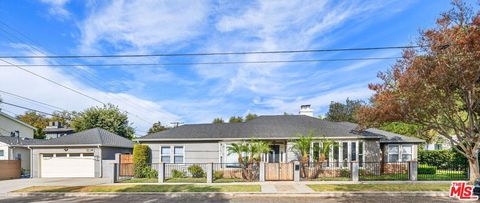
207 143
89 153
56 129
14 136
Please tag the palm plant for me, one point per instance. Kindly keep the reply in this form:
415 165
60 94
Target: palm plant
249 155
302 147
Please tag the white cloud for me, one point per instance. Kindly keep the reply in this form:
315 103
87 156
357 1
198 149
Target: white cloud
142 24
143 113
57 8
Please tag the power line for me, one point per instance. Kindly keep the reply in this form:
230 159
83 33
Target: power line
212 63
30 109
32 100
54 82
214 53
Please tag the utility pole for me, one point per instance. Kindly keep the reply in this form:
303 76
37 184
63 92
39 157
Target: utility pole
176 124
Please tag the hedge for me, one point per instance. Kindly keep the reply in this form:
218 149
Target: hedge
141 157
442 158
427 170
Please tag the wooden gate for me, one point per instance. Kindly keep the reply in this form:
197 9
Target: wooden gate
278 171
126 165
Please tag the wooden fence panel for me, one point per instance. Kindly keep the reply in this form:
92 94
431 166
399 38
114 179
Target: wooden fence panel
278 171
126 165
10 169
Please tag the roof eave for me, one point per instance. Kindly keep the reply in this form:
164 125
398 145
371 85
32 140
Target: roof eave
269 138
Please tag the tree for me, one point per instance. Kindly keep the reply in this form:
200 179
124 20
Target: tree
36 120
412 130
302 147
157 127
235 119
250 117
249 156
343 112
108 117
218 120
65 117
438 86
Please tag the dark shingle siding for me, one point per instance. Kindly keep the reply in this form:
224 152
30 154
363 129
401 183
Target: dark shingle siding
283 126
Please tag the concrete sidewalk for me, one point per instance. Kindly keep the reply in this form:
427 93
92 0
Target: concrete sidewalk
16 184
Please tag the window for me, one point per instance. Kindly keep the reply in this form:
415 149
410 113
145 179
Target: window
74 155
47 155
353 151
345 154
178 153
336 152
407 152
393 153
61 155
2 153
360 153
19 156
87 154
165 154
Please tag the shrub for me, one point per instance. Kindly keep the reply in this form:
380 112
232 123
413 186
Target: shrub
196 171
178 174
344 172
218 175
149 172
427 170
141 157
442 158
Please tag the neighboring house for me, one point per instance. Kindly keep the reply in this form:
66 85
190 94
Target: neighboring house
14 135
55 129
439 144
89 153
206 143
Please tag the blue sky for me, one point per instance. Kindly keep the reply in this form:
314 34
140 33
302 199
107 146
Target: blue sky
199 93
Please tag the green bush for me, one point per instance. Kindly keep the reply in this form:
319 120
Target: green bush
442 158
149 172
218 175
344 172
178 174
141 157
196 171
427 170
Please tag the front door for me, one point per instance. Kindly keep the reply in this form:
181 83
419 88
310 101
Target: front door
274 155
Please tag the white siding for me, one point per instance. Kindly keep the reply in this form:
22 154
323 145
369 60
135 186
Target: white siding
8 125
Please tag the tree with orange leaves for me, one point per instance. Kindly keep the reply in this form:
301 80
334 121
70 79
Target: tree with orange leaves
437 85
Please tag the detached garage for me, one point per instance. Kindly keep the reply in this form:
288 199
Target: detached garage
83 154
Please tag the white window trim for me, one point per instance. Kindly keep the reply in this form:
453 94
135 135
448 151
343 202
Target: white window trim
400 152
172 153
340 152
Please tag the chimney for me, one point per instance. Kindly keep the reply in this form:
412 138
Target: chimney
306 110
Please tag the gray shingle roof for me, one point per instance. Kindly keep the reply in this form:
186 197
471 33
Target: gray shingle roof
14 141
94 136
266 127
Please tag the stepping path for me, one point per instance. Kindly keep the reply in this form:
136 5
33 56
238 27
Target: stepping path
285 188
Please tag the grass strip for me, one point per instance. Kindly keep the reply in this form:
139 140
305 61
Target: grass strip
378 187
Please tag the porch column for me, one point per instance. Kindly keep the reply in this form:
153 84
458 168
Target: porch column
261 177
161 172
355 169
296 171
209 173
412 170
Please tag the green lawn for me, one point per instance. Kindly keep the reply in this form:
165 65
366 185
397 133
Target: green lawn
145 188
228 180
330 179
186 180
385 177
140 180
380 187
444 175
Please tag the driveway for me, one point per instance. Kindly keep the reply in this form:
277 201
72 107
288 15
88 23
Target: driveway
16 184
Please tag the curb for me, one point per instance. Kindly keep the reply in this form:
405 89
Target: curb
229 194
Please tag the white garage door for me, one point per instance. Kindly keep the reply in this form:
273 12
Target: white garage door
67 165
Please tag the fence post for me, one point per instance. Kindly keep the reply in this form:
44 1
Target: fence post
296 171
261 177
210 173
161 172
412 170
115 173
355 170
